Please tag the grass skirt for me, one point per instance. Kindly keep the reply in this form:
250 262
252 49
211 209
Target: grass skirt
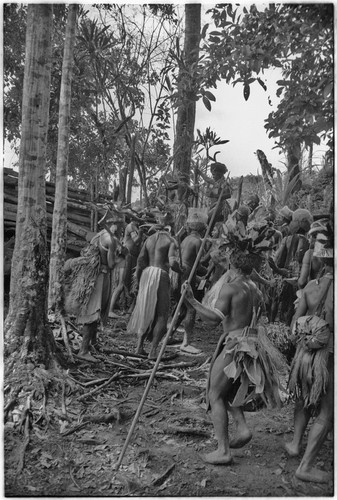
81 275
309 374
254 365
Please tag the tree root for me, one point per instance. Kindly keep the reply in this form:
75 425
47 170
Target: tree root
65 338
26 420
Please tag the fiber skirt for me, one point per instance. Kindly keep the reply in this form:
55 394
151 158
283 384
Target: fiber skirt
254 366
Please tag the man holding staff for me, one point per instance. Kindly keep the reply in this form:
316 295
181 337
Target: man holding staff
245 363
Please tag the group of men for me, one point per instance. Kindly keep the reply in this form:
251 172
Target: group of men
245 364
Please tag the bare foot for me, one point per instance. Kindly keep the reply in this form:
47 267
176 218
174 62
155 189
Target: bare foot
189 349
313 475
218 458
241 439
291 449
87 357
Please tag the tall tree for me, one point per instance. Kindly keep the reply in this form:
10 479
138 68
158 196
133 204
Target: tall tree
29 342
59 228
298 39
187 90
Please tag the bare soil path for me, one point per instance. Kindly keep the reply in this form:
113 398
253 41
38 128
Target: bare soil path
73 455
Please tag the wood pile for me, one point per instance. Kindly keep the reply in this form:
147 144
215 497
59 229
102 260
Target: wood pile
82 213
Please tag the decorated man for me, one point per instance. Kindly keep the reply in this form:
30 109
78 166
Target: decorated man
311 377
88 283
245 364
150 315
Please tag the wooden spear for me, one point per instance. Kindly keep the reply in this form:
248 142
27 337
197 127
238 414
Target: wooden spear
166 338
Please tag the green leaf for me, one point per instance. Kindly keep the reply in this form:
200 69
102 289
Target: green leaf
207 103
246 91
209 95
263 85
204 30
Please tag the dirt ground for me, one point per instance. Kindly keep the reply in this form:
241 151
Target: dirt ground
74 453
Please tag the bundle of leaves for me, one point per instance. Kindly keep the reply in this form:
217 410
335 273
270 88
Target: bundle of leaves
80 279
279 335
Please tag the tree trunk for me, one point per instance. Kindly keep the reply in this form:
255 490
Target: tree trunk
29 341
186 112
59 228
132 169
294 159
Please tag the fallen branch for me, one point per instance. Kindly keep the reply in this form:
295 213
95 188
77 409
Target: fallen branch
184 364
73 479
148 374
125 353
90 383
97 389
161 479
173 429
93 419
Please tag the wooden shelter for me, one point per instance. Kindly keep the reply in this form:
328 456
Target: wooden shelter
82 214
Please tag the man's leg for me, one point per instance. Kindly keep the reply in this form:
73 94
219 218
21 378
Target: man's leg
219 387
188 330
140 343
243 434
89 332
317 435
301 419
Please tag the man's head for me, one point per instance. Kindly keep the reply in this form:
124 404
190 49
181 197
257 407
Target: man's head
324 243
242 214
218 169
245 262
253 202
301 221
196 220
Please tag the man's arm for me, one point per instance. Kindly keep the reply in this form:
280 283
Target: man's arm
109 243
305 270
172 257
142 261
136 234
211 317
301 309
207 179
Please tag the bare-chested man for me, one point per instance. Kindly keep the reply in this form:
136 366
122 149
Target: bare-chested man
311 265
150 315
306 373
190 246
216 184
235 305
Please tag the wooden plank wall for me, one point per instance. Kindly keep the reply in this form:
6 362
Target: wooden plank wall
82 216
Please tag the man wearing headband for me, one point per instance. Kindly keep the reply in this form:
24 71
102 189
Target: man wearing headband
311 377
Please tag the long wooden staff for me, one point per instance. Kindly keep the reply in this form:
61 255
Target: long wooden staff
166 338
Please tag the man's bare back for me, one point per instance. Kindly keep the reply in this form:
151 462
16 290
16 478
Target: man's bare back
237 301
312 294
159 249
